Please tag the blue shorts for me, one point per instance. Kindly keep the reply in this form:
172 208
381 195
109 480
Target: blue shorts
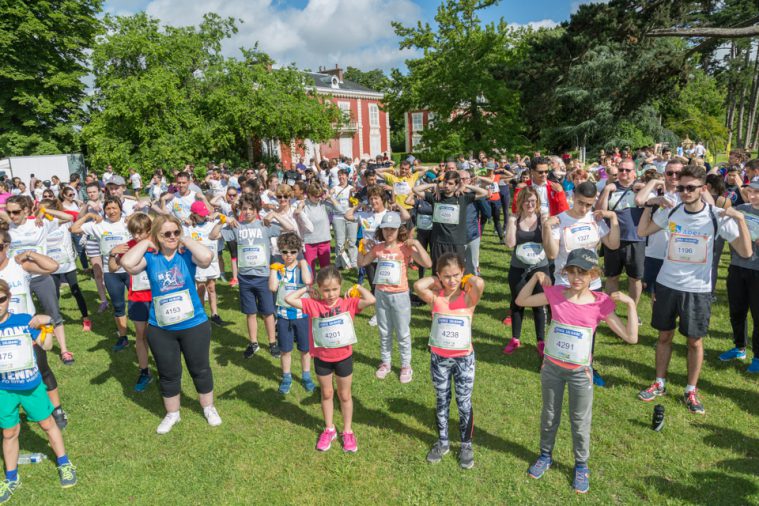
138 311
289 331
255 296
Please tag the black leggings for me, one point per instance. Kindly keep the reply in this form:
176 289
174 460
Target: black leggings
517 280
168 346
423 236
743 297
370 271
47 374
495 213
70 278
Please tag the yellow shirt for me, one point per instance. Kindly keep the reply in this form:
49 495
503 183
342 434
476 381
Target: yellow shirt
402 186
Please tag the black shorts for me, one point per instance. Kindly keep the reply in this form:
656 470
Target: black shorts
693 309
342 369
630 256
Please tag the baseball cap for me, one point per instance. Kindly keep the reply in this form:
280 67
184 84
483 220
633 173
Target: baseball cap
583 258
391 220
754 184
117 180
199 208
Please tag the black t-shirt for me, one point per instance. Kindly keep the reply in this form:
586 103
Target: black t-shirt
449 217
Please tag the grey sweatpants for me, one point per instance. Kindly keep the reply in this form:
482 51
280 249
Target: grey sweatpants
345 238
580 383
394 316
44 288
472 259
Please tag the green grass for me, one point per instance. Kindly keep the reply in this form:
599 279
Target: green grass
264 451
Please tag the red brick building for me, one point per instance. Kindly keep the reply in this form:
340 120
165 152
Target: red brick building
416 122
366 132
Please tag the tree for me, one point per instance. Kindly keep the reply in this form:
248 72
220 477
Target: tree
373 79
459 78
43 45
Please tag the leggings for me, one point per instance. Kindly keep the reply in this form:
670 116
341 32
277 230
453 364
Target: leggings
168 346
461 370
495 213
70 278
742 297
116 284
370 271
232 247
719 247
517 279
47 374
320 251
423 236
44 288
505 192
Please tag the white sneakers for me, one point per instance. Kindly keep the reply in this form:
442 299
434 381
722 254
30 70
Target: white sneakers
171 419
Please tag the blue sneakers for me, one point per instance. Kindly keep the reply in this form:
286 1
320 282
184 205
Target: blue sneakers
598 380
308 383
581 482
733 354
286 384
754 367
143 381
538 469
121 344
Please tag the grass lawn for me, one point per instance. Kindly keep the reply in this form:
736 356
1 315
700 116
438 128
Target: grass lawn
264 451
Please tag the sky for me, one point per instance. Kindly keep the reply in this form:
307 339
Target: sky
315 33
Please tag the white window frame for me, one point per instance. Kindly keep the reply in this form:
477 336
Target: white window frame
374 116
417 121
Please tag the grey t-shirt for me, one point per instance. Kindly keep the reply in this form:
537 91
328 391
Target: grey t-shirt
752 220
317 214
253 248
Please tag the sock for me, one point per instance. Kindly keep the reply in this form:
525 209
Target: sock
57 407
660 381
145 371
689 388
287 375
124 337
581 465
62 460
306 375
11 475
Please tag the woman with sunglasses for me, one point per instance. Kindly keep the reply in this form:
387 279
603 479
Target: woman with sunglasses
110 232
48 194
177 325
30 236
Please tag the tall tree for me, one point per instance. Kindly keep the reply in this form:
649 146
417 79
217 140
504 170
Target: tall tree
43 44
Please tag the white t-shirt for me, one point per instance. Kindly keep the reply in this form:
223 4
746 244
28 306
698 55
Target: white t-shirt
690 247
370 221
21 294
656 245
342 195
543 194
180 206
333 179
61 249
108 234
200 233
575 234
136 181
30 237
128 207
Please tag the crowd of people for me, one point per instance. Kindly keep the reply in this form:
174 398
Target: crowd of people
156 253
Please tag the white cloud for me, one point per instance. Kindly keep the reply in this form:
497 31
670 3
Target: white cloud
536 25
353 33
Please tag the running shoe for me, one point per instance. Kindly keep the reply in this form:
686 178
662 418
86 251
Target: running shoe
507 321
251 350
541 349
214 420
406 374
60 417
121 344
308 384
7 487
598 379
143 381
373 321
286 384
67 475
216 319
512 346
733 354
754 367
274 350
103 306
581 483
67 358
539 468
382 371
466 456
233 282
655 390
349 442
168 422
325 439
222 278
437 452
86 325
693 402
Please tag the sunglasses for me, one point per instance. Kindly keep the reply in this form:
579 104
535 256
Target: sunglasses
3 299
68 194
672 173
171 233
540 172
688 188
289 252
626 170
282 197
16 212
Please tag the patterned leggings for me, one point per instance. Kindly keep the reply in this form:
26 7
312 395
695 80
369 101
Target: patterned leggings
461 370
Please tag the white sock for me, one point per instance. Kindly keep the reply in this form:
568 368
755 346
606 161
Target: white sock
660 381
690 388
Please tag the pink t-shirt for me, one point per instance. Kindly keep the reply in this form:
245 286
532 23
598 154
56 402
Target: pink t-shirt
315 308
398 253
457 307
580 315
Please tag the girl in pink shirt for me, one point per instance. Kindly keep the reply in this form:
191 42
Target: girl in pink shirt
576 312
330 336
453 300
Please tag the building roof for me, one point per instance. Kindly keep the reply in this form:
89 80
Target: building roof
331 84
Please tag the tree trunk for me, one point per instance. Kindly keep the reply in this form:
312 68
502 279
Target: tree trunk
730 101
753 102
741 140
725 33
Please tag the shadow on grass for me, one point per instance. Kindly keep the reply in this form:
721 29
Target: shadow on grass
713 488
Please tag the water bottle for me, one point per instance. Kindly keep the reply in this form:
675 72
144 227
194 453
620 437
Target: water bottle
658 420
31 458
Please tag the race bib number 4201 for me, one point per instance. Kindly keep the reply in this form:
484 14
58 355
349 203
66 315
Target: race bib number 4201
333 331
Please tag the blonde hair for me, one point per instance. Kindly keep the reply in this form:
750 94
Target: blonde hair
159 222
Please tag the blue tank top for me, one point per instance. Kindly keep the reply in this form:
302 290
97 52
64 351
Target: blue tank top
176 305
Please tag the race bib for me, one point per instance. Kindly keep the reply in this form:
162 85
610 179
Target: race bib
689 249
173 308
752 222
60 255
581 235
401 188
23 249
252 256
286 289
493 187
16 353
530 253
333 331
140 282
388 273
569 343
18 304
424 221
110 241
451 332
447 214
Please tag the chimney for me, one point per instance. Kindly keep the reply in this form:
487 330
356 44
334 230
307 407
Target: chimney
337 71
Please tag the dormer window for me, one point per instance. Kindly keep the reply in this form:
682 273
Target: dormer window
335 83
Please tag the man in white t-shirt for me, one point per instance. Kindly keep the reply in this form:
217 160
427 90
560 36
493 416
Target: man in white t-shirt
178 203
136 181
683 286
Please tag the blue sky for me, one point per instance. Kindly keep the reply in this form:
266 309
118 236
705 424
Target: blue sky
313 33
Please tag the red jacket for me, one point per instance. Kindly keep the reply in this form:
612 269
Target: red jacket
557 201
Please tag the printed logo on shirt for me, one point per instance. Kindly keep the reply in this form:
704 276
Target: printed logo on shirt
675 228
250 233
171 279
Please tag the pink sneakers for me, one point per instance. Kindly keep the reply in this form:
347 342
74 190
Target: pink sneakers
349 442
406 374
382 371
326 438
512 346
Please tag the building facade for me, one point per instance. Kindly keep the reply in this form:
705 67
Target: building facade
415 122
